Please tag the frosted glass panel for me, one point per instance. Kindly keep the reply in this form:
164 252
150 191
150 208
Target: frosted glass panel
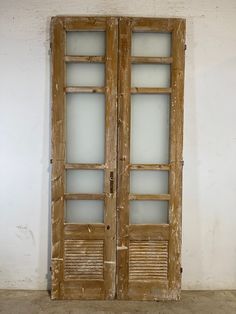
84 181
84 211
150 75
151 44
149 129
149 182
148 212
85 43
85 74
85 128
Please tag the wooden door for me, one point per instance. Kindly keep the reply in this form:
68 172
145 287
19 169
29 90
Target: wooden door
84 105
117 128
150 134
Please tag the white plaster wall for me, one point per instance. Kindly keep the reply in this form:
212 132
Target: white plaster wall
209 207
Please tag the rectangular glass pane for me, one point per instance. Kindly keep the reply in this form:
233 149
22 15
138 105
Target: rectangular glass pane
148 182
149 129
85 74
85 133
151 44
84 211
85 43
84 181
150 75
148 212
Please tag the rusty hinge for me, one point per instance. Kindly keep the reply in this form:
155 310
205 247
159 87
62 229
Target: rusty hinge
181 270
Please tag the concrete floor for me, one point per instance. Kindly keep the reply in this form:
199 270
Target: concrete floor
201 302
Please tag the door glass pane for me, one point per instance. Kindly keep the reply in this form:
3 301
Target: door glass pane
84 181
85 43
150 75
151 44
84 211
148 212
149 129
148 182
85 121
85 74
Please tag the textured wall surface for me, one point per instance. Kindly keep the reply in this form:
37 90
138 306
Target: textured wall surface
209 207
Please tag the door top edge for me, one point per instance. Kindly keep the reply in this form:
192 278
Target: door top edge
119 17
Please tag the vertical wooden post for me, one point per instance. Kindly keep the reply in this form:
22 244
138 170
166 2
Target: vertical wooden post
176 159
124 82
58 153
110 152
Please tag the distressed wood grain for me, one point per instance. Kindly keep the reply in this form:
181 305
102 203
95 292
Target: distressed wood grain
58 154
100 261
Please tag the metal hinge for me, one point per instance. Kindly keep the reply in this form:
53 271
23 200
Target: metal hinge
185 47
181 270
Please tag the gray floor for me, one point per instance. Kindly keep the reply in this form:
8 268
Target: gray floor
27 302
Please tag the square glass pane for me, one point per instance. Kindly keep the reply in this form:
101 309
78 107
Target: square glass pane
85 128
149 129
150 75
85 43
149 182
84 211
148 212
84 181
151 44
85 74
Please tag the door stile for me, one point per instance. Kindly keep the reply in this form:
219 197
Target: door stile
58 154
110 155
176 158
124 82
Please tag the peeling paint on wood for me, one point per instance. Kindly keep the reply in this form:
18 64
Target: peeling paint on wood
84 255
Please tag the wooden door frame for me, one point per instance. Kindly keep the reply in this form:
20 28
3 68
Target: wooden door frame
171 232
62 287
116 269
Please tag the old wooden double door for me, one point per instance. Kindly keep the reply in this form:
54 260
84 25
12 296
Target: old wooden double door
117 111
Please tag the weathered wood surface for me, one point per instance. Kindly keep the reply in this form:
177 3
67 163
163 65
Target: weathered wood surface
84 89
152 60
78 166
86 59
58 154
176 158
110 158
146 197
166 238
83 196
76 245
149 167
124 82
150 90
137 244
